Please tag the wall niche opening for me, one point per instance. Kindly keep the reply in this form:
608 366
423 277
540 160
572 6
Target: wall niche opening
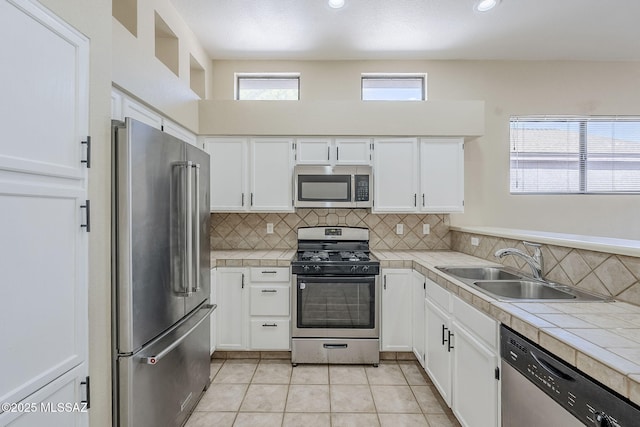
166 45
197 77
126 12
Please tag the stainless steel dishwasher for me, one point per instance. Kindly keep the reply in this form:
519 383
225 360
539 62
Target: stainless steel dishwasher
538 389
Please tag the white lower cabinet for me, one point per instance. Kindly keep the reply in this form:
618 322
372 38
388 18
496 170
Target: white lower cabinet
395 331
61 403
437 339
462 357
475 396
232 314
418 291
253 308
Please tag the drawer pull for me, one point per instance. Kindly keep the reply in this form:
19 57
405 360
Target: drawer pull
334 346
269 290
269 272
270 325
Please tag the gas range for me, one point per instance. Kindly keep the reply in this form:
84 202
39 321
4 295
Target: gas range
334 251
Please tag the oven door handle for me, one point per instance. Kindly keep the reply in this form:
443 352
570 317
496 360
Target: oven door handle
333 279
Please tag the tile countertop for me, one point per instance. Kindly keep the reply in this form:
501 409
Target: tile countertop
600 339
252 258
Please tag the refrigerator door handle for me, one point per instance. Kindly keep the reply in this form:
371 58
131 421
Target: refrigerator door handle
195 231
189 218
158 356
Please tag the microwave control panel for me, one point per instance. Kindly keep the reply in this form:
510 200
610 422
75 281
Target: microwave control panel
362 188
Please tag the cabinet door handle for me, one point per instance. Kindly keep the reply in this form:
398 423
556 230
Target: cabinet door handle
251 199
269 272
269 290
423 200
449 346
384 282
242 200
337 153
269 325
242 280
415 199
443 338
328 153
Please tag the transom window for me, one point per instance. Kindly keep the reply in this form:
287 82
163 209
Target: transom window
394 87
579 155
268 87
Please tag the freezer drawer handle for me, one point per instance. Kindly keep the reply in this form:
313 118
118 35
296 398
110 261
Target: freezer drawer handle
153 360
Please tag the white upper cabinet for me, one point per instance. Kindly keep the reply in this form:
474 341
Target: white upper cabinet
441 175
123 106
419 176
313 151
395 172
228 161
139 112
271 174
179 132
338 151
253 175
353 151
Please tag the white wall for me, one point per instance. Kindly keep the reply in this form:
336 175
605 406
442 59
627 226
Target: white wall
136 69
508 88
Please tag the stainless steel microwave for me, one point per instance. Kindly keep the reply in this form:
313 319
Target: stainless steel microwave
333 187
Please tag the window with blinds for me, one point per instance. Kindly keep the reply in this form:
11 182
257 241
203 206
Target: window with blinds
577 155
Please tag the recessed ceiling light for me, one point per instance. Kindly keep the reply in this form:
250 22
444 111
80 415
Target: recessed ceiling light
486 5
336 4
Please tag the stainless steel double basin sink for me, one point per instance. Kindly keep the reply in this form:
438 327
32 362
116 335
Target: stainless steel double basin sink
505 284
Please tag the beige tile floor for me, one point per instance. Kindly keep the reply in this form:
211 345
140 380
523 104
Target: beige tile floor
272 393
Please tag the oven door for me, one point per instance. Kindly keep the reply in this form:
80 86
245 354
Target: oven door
335 307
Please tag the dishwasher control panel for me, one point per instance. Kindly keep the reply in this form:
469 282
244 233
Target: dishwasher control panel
591 402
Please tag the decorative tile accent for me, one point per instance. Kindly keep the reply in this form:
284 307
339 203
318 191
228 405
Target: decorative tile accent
603 273
233 231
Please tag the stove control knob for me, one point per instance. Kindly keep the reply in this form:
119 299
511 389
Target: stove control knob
602 420
365 268
305 268
354 268
316 267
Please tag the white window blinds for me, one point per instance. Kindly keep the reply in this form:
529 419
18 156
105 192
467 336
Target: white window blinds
575 154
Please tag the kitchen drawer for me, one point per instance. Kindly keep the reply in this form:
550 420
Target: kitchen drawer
438 295
269 334
476 322
270 274
269 300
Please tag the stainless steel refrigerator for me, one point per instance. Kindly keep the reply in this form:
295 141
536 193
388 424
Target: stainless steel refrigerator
161 276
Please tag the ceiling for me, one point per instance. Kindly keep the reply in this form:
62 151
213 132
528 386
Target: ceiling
598 30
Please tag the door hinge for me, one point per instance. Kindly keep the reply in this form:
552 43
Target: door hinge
87 384
87 160
87 207
497 373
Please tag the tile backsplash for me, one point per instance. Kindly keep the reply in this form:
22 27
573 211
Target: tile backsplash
600 272
249 230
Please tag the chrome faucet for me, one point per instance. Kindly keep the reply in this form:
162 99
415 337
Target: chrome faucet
535 262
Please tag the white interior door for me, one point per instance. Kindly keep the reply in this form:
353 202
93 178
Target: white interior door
43 244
